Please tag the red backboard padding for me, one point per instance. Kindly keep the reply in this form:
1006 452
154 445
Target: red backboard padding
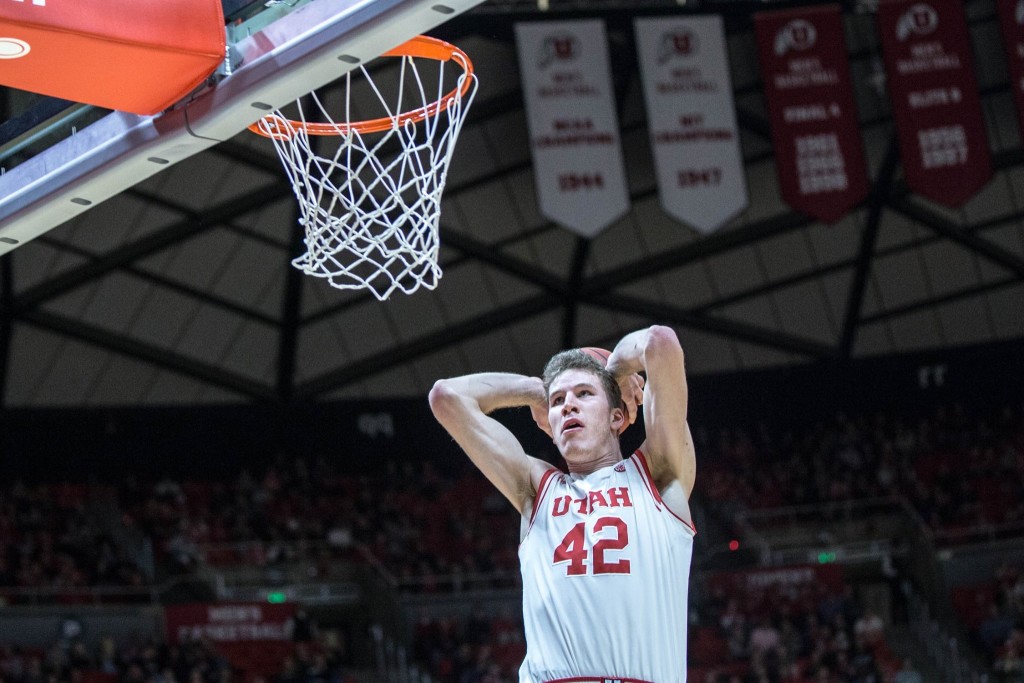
138 57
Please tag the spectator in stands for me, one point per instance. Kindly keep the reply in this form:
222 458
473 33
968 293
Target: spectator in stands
302 627
1010 660
907 673
863 664
765 643
995 629
870 628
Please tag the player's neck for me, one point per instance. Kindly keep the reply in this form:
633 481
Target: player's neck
602 459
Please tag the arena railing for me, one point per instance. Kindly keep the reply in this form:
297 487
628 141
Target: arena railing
846 530
943 648
259 553
978 533
92 595
393 663
249 563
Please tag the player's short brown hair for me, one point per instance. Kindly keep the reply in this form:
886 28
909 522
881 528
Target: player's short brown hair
575 359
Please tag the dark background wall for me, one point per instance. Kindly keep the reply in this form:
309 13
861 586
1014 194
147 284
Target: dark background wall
214 440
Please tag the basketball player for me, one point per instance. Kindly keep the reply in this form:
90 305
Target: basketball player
605 551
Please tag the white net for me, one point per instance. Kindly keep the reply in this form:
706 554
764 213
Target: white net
370 202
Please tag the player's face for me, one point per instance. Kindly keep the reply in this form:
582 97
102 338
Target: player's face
578 412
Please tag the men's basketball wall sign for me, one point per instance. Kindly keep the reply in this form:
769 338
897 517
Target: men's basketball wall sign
819 154
246 634
574 132
935 100
1011 21
691 119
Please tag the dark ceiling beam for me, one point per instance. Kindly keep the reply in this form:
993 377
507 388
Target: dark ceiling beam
291 306
572 303
490 253
1001 160
158 357
352 300
705 247
150 244
996 221
877 198
943 227
190 212
167 283
933 302
673 315
752 123
431 343
510 265
1007 158
772 286
469 250
841 265
251 157
767 228
593 290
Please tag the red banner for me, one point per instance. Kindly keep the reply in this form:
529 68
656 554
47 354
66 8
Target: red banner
252 636
739 583
1011 20
818 150
935 101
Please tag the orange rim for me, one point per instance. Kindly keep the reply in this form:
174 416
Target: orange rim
275 126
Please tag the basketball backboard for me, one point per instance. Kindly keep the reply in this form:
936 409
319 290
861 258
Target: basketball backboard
59 159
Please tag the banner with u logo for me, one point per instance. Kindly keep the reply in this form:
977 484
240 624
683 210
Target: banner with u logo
691 119
574 131
935 101
806 74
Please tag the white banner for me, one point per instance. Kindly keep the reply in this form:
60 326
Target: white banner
691 119
574 132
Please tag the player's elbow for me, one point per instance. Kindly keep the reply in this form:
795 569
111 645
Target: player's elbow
444 400
662 340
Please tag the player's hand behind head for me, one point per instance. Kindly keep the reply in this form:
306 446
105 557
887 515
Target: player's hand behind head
631 386
540 416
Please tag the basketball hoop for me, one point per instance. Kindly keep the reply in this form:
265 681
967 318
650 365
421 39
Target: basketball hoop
371 203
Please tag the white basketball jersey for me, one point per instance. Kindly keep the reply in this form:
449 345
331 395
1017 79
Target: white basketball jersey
606 567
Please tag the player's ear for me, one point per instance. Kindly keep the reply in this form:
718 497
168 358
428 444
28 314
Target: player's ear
618 420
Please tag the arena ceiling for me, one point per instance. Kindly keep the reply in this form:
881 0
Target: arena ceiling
179 290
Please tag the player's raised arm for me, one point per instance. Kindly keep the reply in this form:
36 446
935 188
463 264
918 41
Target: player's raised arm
669 445
462 406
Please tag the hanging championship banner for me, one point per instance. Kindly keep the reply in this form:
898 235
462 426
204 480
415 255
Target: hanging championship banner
574 132
692 119
935 101
818 149
1011 20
